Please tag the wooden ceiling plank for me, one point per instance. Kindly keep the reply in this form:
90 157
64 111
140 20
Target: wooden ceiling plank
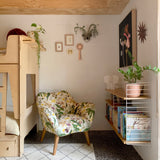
79 7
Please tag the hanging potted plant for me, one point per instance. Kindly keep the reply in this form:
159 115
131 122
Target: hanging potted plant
35 35
132 74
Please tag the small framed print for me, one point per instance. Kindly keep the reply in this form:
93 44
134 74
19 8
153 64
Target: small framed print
69 39
59 46
69 51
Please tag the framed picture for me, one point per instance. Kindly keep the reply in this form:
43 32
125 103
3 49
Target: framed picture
69 51
69 39
59 46
128 40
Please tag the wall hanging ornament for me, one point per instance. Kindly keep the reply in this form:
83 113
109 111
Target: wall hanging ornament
87 34
79 47
142 32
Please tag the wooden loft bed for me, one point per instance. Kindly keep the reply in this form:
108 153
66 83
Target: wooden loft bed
18 62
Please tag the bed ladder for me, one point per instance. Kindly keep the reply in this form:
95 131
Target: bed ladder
3 92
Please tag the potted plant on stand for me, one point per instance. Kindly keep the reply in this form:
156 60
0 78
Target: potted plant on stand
134 73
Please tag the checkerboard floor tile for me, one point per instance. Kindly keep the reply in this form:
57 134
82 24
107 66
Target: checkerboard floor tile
65 151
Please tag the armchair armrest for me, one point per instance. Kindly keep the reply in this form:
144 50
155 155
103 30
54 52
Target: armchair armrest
86 110
48 117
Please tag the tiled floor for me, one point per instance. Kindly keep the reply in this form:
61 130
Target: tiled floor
106 144
65 151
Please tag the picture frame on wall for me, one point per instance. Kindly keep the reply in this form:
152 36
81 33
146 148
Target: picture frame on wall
128 40
69 39
69 51
59 46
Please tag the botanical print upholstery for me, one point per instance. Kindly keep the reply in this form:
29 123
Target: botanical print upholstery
61 115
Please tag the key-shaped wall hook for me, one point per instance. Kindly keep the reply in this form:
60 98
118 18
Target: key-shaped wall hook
79 47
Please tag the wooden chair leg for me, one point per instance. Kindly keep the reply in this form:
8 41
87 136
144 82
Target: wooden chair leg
56 140
43 134
87 137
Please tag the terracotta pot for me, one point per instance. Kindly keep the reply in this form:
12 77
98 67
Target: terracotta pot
133 90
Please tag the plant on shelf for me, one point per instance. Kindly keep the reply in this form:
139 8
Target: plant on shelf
134 73
35 34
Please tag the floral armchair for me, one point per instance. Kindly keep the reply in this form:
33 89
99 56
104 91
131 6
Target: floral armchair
62 116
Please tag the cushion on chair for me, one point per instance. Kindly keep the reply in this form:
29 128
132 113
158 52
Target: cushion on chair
72 123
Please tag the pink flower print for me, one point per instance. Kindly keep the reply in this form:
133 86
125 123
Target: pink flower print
128 41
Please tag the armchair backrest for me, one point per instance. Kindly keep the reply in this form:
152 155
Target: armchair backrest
60 102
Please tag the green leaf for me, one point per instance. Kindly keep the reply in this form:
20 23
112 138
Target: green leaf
90 112
75 127
48 94
64 91
86 130
61 135
33 25
54 120
48 124
76 122
130 54
155 68
59 107
59 111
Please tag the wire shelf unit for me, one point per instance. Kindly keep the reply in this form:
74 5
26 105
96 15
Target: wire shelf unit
129 113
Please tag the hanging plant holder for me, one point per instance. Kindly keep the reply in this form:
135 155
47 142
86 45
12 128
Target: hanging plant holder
87 34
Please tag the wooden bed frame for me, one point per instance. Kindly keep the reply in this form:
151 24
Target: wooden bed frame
19 60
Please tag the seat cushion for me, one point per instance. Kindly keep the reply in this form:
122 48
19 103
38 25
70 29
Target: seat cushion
72 123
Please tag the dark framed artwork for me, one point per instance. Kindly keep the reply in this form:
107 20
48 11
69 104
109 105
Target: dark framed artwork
128 40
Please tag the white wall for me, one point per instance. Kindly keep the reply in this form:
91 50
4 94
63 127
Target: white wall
158 80
83 79
147 54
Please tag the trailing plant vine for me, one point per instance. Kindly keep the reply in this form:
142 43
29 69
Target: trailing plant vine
38 29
